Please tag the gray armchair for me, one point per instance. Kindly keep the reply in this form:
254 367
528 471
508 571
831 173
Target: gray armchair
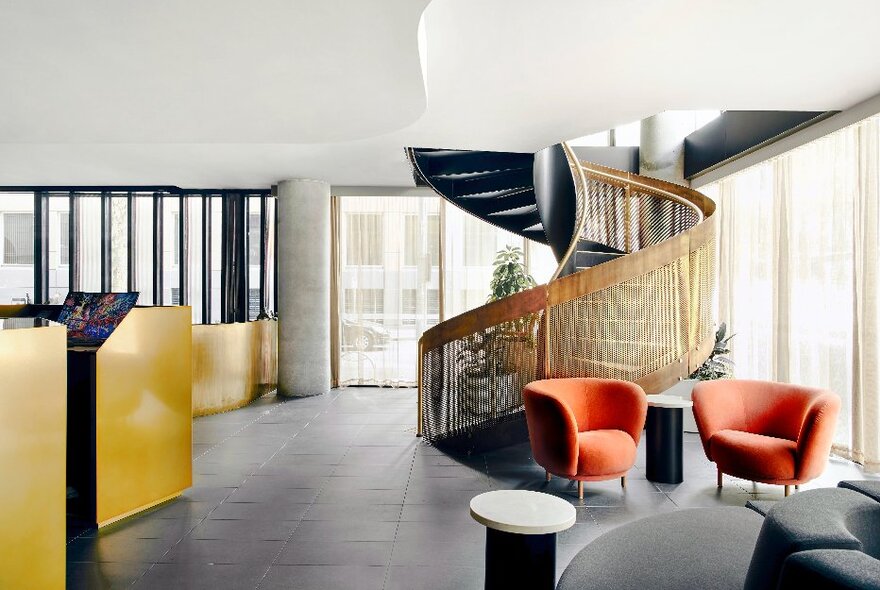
827 535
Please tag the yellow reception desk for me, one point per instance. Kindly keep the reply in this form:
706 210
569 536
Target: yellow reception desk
33 415
141 396
233 364
129 414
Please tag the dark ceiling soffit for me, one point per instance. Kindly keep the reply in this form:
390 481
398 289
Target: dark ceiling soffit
736 133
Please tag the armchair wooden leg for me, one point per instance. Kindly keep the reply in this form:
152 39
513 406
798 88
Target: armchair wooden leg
719 479
623 481
547 475
580 490
787 491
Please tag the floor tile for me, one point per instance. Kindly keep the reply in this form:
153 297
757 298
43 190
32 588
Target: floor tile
201 576
336 553
324 577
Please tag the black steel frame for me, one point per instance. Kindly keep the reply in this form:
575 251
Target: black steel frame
234 243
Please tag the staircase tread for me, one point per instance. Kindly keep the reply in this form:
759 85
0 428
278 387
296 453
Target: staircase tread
500 194
475 173
525 210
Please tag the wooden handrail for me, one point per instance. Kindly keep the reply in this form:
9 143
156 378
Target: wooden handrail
483 317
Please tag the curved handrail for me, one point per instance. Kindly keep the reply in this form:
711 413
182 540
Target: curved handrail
595 322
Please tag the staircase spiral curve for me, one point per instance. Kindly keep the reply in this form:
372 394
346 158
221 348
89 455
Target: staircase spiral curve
632 297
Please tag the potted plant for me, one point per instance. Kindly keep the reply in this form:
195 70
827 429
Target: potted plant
515 338
717 366
509 276
501 351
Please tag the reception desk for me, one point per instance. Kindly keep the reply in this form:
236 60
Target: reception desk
129 414
33 418
233 364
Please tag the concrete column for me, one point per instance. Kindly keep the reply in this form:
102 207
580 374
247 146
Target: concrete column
303 287
661 145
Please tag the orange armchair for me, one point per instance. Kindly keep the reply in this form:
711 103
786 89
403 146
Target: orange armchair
585 429
773 433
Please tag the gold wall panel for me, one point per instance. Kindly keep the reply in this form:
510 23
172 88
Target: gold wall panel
144 412
33 419
233 364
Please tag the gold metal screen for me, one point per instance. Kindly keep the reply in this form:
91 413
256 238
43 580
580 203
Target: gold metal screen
476 381
625 331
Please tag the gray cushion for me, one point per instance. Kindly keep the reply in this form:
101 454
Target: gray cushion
866 487
830 569
829 518
706 548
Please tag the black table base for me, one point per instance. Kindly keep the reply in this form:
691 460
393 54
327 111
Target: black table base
520 561
664 445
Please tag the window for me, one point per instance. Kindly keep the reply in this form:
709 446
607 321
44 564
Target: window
414 231
114 240
253 303
18 238
255 246
254 236
366 301
144 251
64 237
88 242
364 240
629 134
409 301
175 236
600 139
59 247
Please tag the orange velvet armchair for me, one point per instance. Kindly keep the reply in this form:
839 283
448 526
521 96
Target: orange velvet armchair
773 433
585 429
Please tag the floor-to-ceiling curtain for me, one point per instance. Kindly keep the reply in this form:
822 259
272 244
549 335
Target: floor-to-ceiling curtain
401 265
388 253
470 245
798 259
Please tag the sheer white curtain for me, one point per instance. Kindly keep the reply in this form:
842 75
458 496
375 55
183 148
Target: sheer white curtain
389 286
798 262
469 248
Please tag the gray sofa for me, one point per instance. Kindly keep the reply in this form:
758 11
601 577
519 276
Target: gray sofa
824 538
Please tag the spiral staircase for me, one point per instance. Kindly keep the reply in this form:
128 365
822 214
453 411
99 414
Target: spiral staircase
632 297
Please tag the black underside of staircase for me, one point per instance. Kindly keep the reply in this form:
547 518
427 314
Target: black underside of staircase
531 195
495 186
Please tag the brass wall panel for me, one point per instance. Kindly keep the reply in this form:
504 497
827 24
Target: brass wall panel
144 411
33 419
233 364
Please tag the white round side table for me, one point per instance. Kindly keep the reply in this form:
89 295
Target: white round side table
521 529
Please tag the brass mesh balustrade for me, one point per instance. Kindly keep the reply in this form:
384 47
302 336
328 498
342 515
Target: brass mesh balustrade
646 317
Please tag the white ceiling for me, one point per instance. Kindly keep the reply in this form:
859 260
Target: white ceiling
228 93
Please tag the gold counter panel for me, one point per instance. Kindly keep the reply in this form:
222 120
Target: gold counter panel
33 418
233 364
143 411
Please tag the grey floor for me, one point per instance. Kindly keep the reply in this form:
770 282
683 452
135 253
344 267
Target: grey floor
336 492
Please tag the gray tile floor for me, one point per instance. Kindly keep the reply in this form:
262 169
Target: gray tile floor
336 492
